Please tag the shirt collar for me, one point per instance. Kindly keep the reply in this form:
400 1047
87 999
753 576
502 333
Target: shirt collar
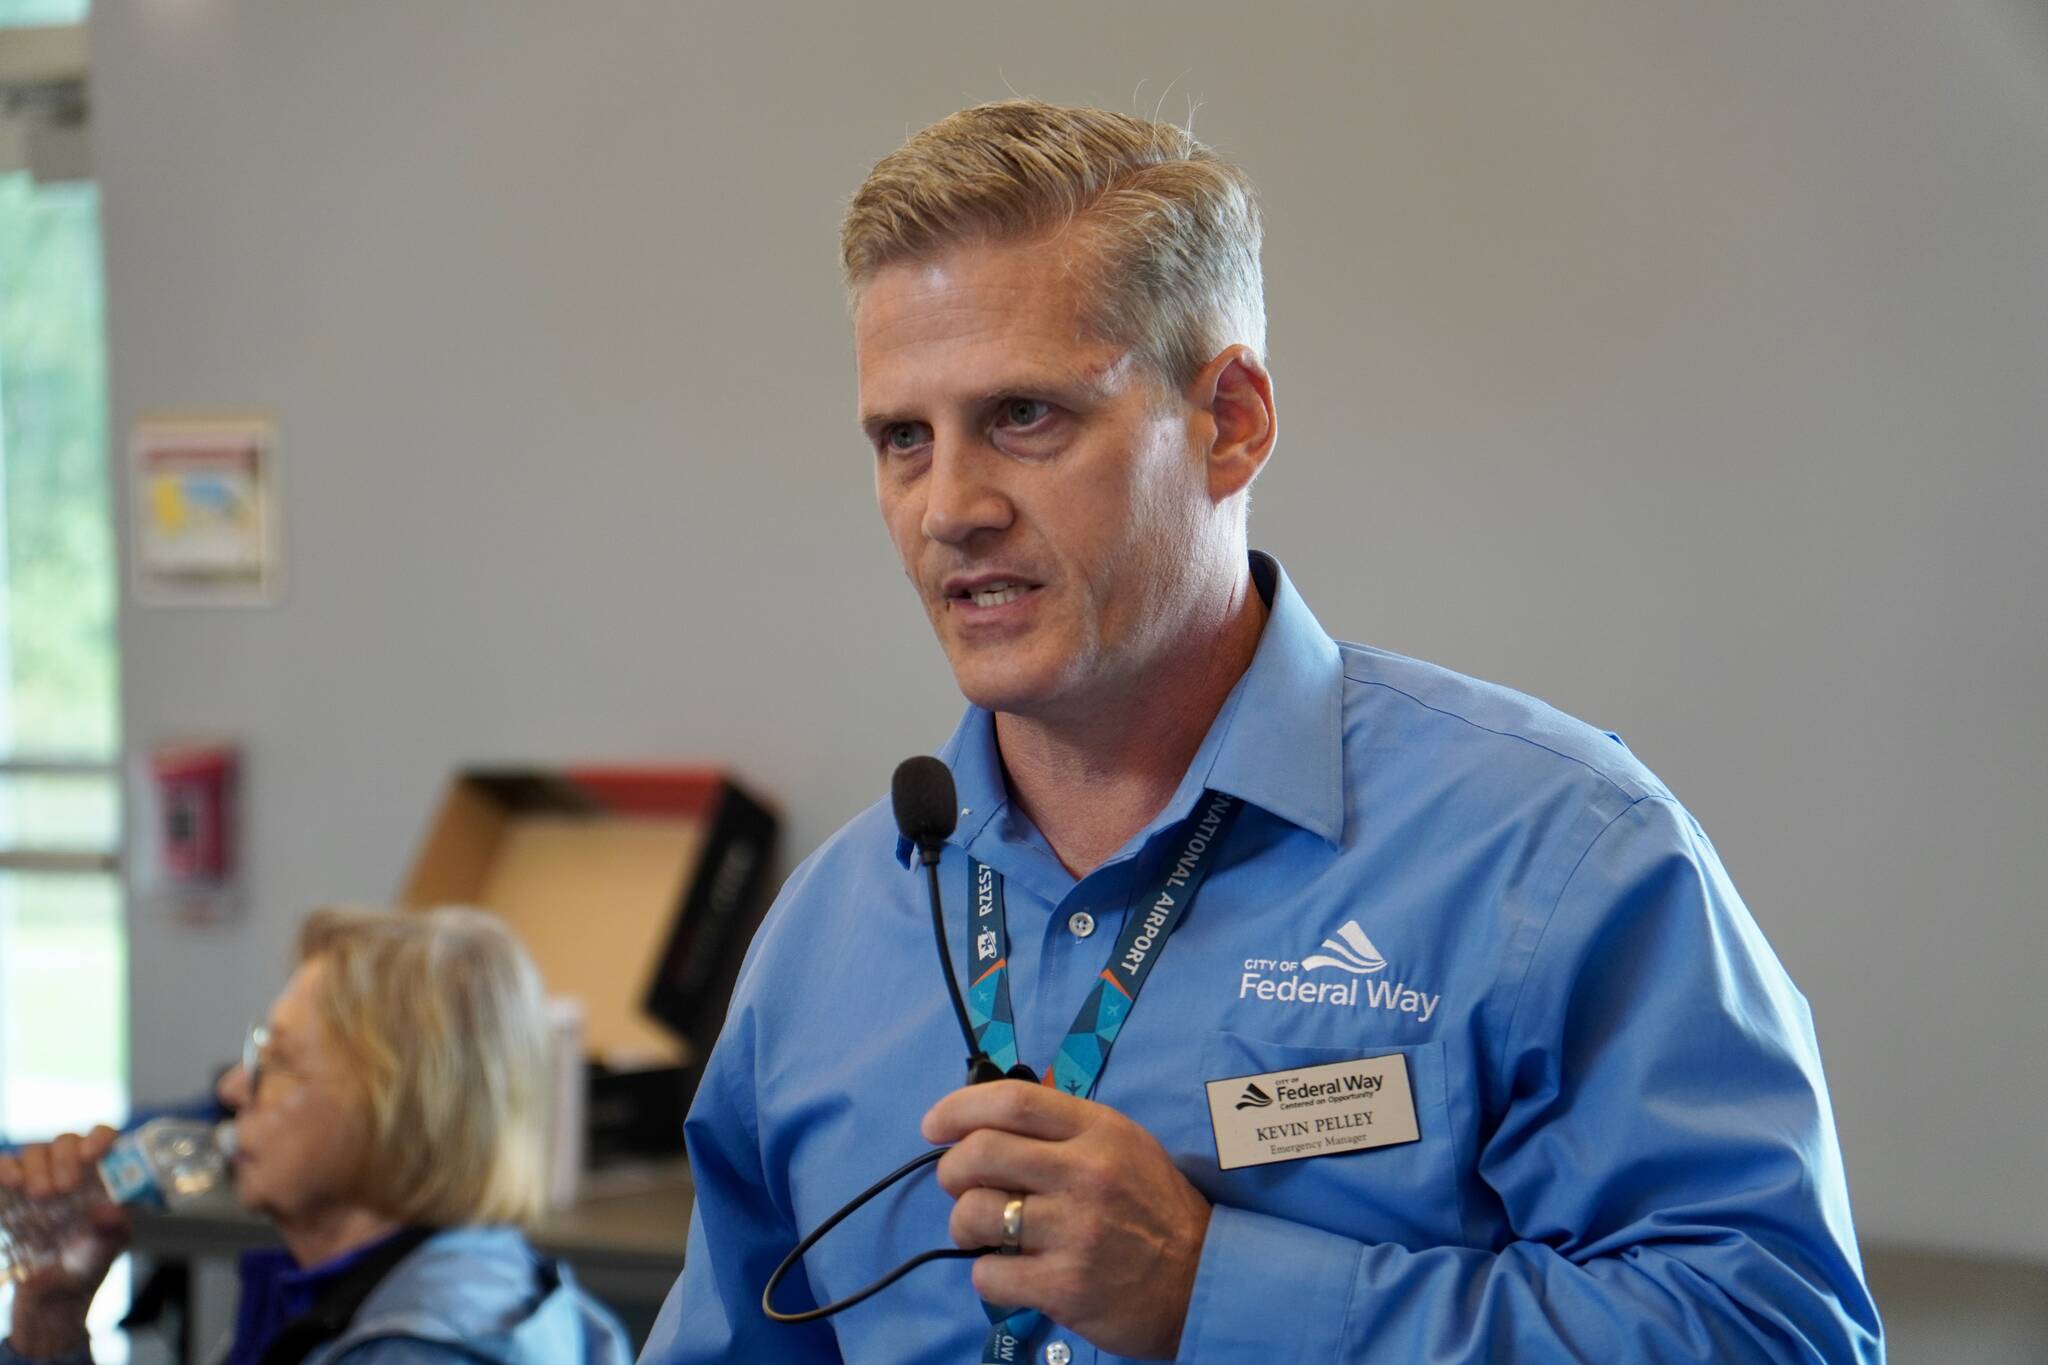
1276 742
1282 748
275 1263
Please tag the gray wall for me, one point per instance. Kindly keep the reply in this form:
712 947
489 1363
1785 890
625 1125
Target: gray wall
1679 364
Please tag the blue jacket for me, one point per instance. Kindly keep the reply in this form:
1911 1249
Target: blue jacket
473 1296
478 1295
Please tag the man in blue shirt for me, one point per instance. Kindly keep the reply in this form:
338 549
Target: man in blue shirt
1439 1031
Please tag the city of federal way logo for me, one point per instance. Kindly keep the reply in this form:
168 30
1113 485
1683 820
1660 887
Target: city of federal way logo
1353 956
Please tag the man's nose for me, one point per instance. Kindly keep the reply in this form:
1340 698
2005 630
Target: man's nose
233 1088
962 496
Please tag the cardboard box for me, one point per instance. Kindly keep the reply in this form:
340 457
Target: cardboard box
636 890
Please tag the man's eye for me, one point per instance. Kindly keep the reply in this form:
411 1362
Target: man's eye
901 436
1023 412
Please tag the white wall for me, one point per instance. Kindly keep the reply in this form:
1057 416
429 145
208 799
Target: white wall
1680 364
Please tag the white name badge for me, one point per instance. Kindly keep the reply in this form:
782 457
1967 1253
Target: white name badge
1313 1111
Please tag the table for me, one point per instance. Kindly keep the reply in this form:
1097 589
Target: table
624 1236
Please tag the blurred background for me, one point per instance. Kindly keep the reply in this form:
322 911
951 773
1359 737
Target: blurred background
1681 365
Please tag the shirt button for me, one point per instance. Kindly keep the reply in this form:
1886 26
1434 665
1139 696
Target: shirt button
1082 924
1058 1353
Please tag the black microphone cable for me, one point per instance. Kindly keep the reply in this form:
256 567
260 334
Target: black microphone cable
817 1234
923 796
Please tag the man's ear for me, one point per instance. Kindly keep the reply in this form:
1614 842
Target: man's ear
1236 393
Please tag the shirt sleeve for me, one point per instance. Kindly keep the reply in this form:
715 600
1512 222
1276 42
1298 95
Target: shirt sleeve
1663 1149
738 1234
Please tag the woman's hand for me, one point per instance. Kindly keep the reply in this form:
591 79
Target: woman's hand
49 1306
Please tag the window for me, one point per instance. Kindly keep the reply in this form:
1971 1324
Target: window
63 968
28 13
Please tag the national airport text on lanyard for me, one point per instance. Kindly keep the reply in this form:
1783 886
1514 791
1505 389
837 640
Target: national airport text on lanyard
1085 1050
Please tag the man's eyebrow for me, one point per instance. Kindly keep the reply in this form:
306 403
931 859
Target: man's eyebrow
873 422
1092 382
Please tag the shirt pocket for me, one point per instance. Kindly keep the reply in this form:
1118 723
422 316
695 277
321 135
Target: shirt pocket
1405 1193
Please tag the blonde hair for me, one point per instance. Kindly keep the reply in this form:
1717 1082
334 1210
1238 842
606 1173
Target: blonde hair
441 1019
1170 231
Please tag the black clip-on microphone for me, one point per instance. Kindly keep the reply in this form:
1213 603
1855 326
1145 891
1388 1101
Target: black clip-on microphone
922 793
923 796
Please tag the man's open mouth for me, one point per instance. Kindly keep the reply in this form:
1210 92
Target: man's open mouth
987 591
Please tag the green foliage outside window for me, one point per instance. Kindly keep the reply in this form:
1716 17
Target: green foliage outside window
62 947
26 13
59 568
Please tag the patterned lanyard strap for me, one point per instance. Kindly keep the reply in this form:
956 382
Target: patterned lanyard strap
1085 1050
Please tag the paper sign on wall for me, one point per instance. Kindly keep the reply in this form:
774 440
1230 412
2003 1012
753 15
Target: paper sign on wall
205 510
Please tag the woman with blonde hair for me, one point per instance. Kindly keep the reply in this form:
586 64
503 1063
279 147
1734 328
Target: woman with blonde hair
391 1121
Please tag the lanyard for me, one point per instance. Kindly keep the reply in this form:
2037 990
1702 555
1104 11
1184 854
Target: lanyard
1085 1050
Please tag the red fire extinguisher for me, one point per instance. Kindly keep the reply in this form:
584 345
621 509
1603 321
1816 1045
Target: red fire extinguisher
196 791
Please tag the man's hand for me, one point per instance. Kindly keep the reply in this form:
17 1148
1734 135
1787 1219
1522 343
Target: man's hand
1112 1230
49 1306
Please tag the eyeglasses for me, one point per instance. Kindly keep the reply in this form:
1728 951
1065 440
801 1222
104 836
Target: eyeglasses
254 1045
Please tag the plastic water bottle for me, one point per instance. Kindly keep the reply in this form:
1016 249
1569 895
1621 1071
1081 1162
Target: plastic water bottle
165 1161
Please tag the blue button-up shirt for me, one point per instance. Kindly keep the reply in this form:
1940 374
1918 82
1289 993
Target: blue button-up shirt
1626 1151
